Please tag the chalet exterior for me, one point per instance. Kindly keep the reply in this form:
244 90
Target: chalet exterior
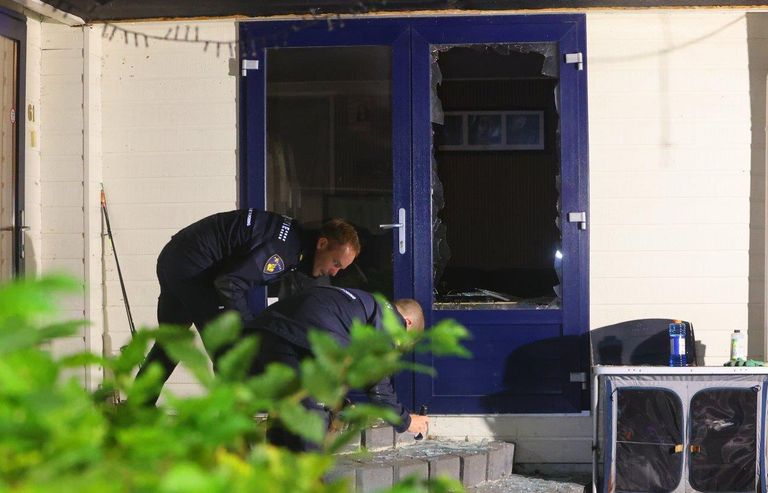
539 174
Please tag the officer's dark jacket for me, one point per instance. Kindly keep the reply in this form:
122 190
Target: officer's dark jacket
333 310
238 250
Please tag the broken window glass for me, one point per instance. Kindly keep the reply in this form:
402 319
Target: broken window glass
495 176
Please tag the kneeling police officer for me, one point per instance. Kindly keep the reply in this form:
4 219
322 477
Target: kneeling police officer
283 330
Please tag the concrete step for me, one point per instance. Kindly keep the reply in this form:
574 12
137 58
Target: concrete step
522 484
472 463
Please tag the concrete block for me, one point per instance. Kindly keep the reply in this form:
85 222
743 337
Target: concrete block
374 478
378 437
445 465
501 460
474 468
347 474
352 446
411 467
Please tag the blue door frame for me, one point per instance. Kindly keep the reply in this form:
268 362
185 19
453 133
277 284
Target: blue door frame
552 342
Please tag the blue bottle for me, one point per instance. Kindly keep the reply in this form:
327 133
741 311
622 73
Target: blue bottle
677 332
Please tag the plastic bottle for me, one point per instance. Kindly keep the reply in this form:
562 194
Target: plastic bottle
677 330
738 345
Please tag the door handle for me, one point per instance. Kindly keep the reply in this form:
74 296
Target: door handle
400 226
14 228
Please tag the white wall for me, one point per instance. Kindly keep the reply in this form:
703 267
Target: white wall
676 103
677 150
169 151
62 246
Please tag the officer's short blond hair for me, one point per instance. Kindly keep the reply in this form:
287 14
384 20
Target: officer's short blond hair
410 308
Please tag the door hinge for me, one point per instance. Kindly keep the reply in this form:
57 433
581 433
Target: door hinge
578 377
576 58
578 217
247 65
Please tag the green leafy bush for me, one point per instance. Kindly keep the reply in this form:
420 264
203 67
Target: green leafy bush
57 436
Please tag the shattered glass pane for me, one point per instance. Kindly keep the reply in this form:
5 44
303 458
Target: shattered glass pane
496 176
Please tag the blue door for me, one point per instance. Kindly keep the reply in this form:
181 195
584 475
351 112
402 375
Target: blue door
458 147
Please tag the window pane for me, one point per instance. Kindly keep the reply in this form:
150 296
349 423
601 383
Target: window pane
329 151
496 172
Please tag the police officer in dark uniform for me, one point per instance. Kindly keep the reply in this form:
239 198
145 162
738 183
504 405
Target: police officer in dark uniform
210 265
283 333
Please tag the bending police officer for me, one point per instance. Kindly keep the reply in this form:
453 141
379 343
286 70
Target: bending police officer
210 266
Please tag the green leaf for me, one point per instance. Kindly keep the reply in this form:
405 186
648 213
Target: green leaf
417 368
180 346
370 369
444 484
390 322
309 425
235 364
322 384
147 385
82 359
63 329
277 380
17 338
187 477
132 354
326 350
27 299
26 372
444 339
223 330
411 484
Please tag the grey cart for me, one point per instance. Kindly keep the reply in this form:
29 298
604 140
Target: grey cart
689 429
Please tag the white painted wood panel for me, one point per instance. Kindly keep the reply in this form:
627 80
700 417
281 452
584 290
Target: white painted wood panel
655 184
677 160
684 264
158 191
704 316
177 164
169 149
686 208
60 115
612 156
666 237
219 136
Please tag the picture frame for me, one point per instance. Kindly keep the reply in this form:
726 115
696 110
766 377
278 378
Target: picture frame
493 131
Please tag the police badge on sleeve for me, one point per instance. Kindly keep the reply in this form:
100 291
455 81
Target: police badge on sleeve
274 265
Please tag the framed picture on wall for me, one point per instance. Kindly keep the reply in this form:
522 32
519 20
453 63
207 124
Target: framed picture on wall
492 131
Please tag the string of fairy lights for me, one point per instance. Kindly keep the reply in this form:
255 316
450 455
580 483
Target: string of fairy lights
178 33
185 33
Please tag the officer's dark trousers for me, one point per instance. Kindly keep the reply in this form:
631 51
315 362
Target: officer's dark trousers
187 297
274 349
